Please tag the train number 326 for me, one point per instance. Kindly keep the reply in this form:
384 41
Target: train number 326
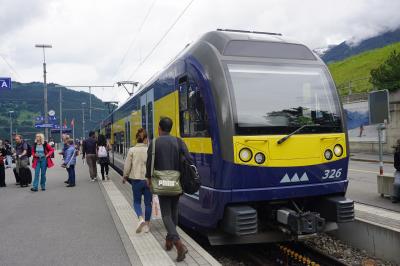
332 173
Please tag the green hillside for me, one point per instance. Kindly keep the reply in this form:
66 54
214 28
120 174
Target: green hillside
355 71
26 100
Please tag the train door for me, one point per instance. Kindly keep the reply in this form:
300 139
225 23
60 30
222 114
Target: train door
147 108
128 137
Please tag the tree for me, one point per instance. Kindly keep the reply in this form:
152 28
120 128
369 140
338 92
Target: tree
387 75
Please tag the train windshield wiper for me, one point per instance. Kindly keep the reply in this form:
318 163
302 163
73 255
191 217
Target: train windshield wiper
282 140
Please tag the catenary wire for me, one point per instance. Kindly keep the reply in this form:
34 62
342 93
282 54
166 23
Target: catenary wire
161 39
135 38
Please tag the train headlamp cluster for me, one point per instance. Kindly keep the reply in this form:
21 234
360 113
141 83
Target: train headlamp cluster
245 155
337 151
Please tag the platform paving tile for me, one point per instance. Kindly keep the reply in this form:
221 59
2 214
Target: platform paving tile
60 226
196 256
146 246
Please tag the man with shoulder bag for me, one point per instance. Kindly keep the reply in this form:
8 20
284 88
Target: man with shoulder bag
163 173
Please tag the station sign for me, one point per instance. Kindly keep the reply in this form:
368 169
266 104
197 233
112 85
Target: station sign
48 125
40 122
5 83
379 107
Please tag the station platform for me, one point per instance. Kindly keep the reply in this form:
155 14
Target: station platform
90 224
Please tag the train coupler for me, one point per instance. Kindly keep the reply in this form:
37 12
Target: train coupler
300 223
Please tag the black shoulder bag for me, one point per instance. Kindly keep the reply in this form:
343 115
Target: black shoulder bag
190 179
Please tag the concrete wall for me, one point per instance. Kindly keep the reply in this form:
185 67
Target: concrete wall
381 242
392 132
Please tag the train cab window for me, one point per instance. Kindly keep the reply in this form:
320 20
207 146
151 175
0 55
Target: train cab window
192 111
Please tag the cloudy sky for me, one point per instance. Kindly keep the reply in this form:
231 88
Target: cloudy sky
98 42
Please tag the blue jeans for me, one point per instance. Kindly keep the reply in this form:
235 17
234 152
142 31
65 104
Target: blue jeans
71 175
139 188
41 168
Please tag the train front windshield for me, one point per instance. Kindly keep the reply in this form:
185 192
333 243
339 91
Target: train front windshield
277 99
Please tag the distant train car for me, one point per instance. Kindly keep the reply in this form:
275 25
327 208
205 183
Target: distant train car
262 118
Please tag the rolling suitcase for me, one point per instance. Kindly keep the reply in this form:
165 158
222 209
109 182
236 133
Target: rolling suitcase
17 180
25 177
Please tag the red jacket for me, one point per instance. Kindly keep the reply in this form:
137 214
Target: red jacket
48 151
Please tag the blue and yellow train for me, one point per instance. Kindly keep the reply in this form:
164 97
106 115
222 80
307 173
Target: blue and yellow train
262 118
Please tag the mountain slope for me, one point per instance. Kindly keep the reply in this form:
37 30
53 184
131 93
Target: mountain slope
26 100
355 70
344 50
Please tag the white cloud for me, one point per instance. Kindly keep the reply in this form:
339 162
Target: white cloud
90 37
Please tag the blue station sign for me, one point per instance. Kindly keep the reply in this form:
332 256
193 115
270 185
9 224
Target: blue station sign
5 84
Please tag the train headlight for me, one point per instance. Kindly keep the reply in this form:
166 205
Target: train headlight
328 154
245 155
338 150
259 158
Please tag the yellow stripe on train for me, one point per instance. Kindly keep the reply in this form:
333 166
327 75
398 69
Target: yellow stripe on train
298 150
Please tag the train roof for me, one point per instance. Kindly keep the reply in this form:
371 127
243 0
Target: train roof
221 40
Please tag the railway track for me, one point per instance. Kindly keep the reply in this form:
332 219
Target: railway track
288 254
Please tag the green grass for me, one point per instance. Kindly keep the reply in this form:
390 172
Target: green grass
356 69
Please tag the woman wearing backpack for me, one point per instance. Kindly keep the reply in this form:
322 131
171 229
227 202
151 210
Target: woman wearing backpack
102 154
41 153
134 173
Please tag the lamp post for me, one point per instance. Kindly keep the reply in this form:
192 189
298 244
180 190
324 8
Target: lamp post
46 119
83 120
11 139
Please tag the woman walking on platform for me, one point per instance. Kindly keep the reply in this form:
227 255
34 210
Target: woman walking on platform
134 173
102 154
41 152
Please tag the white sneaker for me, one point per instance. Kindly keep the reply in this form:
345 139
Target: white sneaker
140 226
92 180
107 177
146 229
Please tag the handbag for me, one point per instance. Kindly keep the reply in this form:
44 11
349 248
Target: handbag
164 182
190 178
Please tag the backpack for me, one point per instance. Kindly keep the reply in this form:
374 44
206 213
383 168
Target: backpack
102 152
190 178
397 160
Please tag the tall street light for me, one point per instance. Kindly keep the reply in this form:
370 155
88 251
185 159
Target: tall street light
83 120
11 139
46 118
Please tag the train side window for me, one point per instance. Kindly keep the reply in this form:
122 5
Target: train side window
193 115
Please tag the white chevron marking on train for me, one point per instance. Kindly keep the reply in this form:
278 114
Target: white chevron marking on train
295 178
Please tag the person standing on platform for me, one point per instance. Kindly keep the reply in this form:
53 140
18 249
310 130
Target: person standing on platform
21 158
8 154
41 152
2 168
168 150
102 154
89 151
396 183
135 174
69 162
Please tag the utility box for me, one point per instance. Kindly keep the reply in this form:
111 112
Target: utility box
385 185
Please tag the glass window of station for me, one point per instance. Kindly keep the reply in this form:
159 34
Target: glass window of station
277 99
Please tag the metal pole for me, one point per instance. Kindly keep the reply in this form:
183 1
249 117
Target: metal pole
73 130
83 121
46 118
380 128
90 103
11 138
61 140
